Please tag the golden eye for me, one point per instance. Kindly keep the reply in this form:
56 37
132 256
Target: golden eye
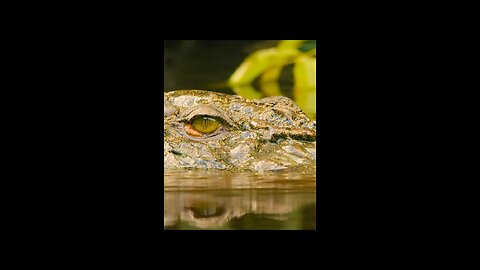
205 124
202 125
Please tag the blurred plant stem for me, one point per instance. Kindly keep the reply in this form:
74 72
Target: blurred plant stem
267 65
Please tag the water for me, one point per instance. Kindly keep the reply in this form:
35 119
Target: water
218 200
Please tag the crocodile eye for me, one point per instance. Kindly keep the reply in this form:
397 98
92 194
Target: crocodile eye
207 210
205 124
202 125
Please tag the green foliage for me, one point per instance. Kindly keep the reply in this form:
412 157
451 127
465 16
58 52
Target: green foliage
267 65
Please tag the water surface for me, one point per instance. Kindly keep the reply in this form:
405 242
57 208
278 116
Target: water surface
199 199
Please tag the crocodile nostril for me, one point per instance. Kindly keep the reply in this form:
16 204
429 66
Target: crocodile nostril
176 151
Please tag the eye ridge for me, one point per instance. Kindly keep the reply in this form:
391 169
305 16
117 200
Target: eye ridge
210 111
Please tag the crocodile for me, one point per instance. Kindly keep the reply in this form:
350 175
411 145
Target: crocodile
211 130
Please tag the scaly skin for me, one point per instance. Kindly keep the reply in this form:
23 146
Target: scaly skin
256 135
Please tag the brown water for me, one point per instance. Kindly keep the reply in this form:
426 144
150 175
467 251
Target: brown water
196 199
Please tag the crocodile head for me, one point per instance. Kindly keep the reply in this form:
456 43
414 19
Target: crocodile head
208 130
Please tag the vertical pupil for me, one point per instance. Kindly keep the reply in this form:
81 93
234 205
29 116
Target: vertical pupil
205 124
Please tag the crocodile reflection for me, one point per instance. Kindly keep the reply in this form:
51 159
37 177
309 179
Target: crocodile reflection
214 209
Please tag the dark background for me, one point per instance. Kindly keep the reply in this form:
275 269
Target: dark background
207 64
193 64
93 137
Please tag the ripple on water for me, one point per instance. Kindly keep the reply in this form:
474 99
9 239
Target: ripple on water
214 199
191 179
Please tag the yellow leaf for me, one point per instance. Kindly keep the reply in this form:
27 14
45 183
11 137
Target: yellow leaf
305 72
271 88
271 75
311 53
258 62
306 99
305 89
289 44
269 82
